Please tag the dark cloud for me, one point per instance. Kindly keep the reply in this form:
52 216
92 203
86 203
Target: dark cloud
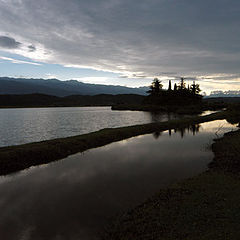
32 48
184 38
223 77
167 73
139 76
8 42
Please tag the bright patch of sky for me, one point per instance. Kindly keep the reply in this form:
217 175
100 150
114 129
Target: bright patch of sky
13 65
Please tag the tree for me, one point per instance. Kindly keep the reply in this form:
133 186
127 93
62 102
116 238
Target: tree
169 86
195 89
175 87
182 84
156 87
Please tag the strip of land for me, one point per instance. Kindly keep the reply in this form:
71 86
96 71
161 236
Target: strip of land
19 157
42 100
201 208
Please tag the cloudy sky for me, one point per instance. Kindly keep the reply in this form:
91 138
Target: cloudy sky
124 42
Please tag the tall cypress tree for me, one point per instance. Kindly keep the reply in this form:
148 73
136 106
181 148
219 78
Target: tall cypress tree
169 86
182 84
175 87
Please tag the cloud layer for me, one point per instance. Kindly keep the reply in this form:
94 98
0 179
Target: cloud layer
18 61
8 42
145 38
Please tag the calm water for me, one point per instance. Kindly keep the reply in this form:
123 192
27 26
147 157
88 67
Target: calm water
74 198
24 125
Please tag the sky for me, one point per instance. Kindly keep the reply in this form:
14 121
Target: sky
122 42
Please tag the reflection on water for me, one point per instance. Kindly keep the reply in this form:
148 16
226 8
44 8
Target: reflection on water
74 198
193 128
160 117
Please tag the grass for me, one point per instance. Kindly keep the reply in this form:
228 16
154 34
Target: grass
19 157
227 153
201 208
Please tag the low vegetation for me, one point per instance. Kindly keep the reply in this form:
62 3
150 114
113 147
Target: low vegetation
202 208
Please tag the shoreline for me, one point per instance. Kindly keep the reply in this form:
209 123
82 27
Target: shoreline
12 107
200 208
191 109
19 157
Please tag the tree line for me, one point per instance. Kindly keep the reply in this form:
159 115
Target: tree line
156 87
180 94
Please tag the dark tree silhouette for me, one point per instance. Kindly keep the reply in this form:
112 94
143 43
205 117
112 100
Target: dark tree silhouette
175 87
169 86
182 84
195 89
156 87
180 96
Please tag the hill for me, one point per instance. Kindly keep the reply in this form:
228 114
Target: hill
229 93
222 100
62 88
42 100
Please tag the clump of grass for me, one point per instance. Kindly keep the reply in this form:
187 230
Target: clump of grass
227 153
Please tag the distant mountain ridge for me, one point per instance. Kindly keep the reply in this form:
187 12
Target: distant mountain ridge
62 88
43 100
229 93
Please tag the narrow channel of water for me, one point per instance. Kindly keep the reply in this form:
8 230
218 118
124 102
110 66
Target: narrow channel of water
76 197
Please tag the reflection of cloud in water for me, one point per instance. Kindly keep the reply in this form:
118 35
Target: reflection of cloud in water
75 197
215 125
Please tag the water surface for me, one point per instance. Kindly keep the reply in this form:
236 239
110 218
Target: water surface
76 197
24 125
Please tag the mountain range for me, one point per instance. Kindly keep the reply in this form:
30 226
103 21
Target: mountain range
43 100
59 88
229 93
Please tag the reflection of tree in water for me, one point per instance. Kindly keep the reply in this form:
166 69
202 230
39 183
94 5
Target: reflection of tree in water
156 116
160 116
193 128
169 132
157 134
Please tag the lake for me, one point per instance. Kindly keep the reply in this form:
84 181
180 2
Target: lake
75 198
24 125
